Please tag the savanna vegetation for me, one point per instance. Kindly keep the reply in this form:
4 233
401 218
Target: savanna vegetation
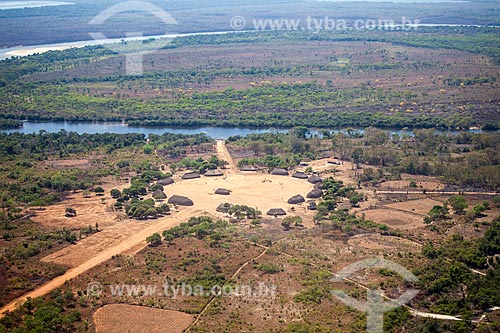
284 91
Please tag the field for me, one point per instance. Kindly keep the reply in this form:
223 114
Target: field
109 319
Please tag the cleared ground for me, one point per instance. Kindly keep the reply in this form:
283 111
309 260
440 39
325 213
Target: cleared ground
121 318
395 219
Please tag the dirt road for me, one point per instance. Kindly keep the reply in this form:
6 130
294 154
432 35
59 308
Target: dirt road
436 192
137 239
223 154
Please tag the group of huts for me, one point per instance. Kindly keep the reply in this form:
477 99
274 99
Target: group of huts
315 193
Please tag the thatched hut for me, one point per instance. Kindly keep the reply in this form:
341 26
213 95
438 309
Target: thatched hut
318 186
248 168
224 207
315 193
314 179
191 175
214 173
159 195
165 181
300 175
296 199
222 191
276 212
279 172
180 201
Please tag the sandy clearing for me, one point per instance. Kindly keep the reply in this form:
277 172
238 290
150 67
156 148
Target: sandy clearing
89 210
428 185
395 219
421 206
379 242
27 52
66 164
120 318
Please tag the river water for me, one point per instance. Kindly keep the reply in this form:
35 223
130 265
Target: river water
213 132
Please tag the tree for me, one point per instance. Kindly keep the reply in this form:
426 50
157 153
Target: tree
355 199
438 212
356 156
168 238
70 212
99 190
286 223
86 193
147 149
458 203
115 193
478 210
154 239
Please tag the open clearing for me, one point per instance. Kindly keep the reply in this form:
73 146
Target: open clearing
421 206
395 219
121 318
385 243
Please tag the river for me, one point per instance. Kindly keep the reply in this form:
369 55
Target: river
22 51
213 132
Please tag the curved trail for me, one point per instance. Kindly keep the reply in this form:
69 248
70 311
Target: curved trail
138 239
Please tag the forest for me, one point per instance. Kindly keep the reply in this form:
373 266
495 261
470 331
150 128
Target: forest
270 93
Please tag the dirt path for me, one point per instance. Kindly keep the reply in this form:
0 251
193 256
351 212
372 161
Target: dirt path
223 154
437 192
207 306
138 239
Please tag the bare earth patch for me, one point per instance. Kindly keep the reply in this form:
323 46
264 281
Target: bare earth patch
395 219
379 242
121 318
421 206
422 182
67 164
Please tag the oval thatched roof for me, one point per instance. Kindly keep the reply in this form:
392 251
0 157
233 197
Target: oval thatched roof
279 172
159 195
296 199
318 185
300 175
224 207
276 212
222 191
315 193
314 179
166 181
214 173
248 168
180 200
191 175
